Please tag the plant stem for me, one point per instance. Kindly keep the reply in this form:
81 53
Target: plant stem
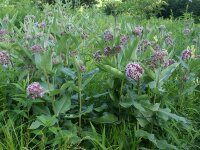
79 97
48 82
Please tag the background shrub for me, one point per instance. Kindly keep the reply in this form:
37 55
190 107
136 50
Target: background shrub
179 7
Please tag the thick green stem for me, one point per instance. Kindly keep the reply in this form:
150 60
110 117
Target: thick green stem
48 82
79 97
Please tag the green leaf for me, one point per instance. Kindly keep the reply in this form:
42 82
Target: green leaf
69 73
63 105
36 124
106 118
47 120
113 71
166 73
54 92
87 110
101 108
37 109
162 144
166 114
43 61
66 85
146 135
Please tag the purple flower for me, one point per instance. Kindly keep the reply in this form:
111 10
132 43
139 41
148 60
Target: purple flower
107 51
4 58
97 56
134 71
169 40
55 60
124 39
35 90
169 62
82 67
158 58
36 48
116 49
138 30
2 31
143 45
186 54
108 36
41 25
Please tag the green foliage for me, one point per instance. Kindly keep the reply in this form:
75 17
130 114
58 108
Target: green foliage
90 102
19 8
177 8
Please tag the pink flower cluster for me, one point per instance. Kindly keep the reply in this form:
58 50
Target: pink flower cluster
134 71
111 51
107 51
36 48
169 62
124 39
4 58
138 30
35 90
55 60
169 40
108 36
186 54
158 58
97 56
82 67
2 31
143 45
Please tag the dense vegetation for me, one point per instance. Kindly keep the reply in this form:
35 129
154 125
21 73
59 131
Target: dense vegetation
81 79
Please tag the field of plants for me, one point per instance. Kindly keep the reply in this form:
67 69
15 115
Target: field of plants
82 80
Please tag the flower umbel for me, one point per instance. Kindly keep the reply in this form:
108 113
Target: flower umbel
35 90
97 56
108 36
134 71
186 54
138 30
36 48
4 58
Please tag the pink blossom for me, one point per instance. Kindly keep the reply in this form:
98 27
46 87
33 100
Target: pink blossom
186 54
134 71
97 56
138 30
124 39
36 48
4 58
108 36
35 90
